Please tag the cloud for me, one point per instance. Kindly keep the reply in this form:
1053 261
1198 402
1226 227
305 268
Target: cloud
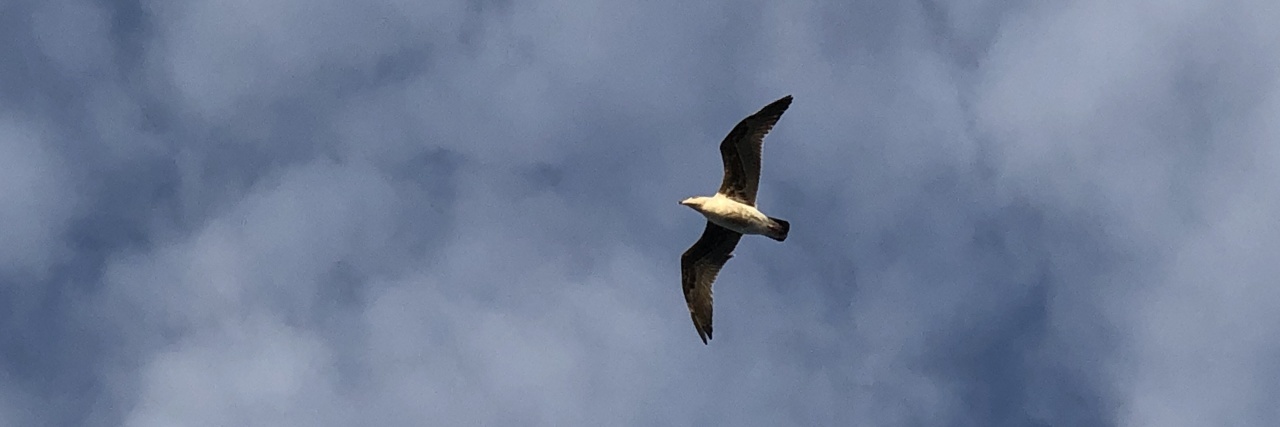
16 407
74 35
36 203
336 213
1149 128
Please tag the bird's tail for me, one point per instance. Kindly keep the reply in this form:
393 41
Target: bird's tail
778 229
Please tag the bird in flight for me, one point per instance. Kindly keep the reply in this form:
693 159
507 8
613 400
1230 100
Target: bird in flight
730 213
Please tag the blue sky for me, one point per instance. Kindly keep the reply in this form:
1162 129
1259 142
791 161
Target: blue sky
390 212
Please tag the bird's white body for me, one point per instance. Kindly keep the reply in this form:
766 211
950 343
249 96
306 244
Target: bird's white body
731 214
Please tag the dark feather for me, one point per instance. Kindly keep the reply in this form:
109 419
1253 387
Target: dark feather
698 269
741 151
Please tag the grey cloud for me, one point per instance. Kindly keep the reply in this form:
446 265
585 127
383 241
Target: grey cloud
396 213
36 202
74 36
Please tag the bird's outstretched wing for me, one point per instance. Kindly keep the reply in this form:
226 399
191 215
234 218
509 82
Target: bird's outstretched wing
740 151
698 269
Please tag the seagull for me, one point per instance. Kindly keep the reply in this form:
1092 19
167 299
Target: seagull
730 213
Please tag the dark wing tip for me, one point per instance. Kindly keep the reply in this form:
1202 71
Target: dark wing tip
773 111
768 116
704 328
781 104
704 332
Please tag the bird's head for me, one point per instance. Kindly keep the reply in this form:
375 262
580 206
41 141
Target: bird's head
694 202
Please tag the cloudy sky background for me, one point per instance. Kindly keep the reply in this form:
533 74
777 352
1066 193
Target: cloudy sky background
392 212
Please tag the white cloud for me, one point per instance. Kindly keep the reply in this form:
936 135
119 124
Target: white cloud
225 58
1204 331
252 370
1090 102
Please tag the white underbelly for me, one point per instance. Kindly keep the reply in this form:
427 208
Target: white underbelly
735 216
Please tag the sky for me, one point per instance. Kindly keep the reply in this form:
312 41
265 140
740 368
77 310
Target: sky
406 213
